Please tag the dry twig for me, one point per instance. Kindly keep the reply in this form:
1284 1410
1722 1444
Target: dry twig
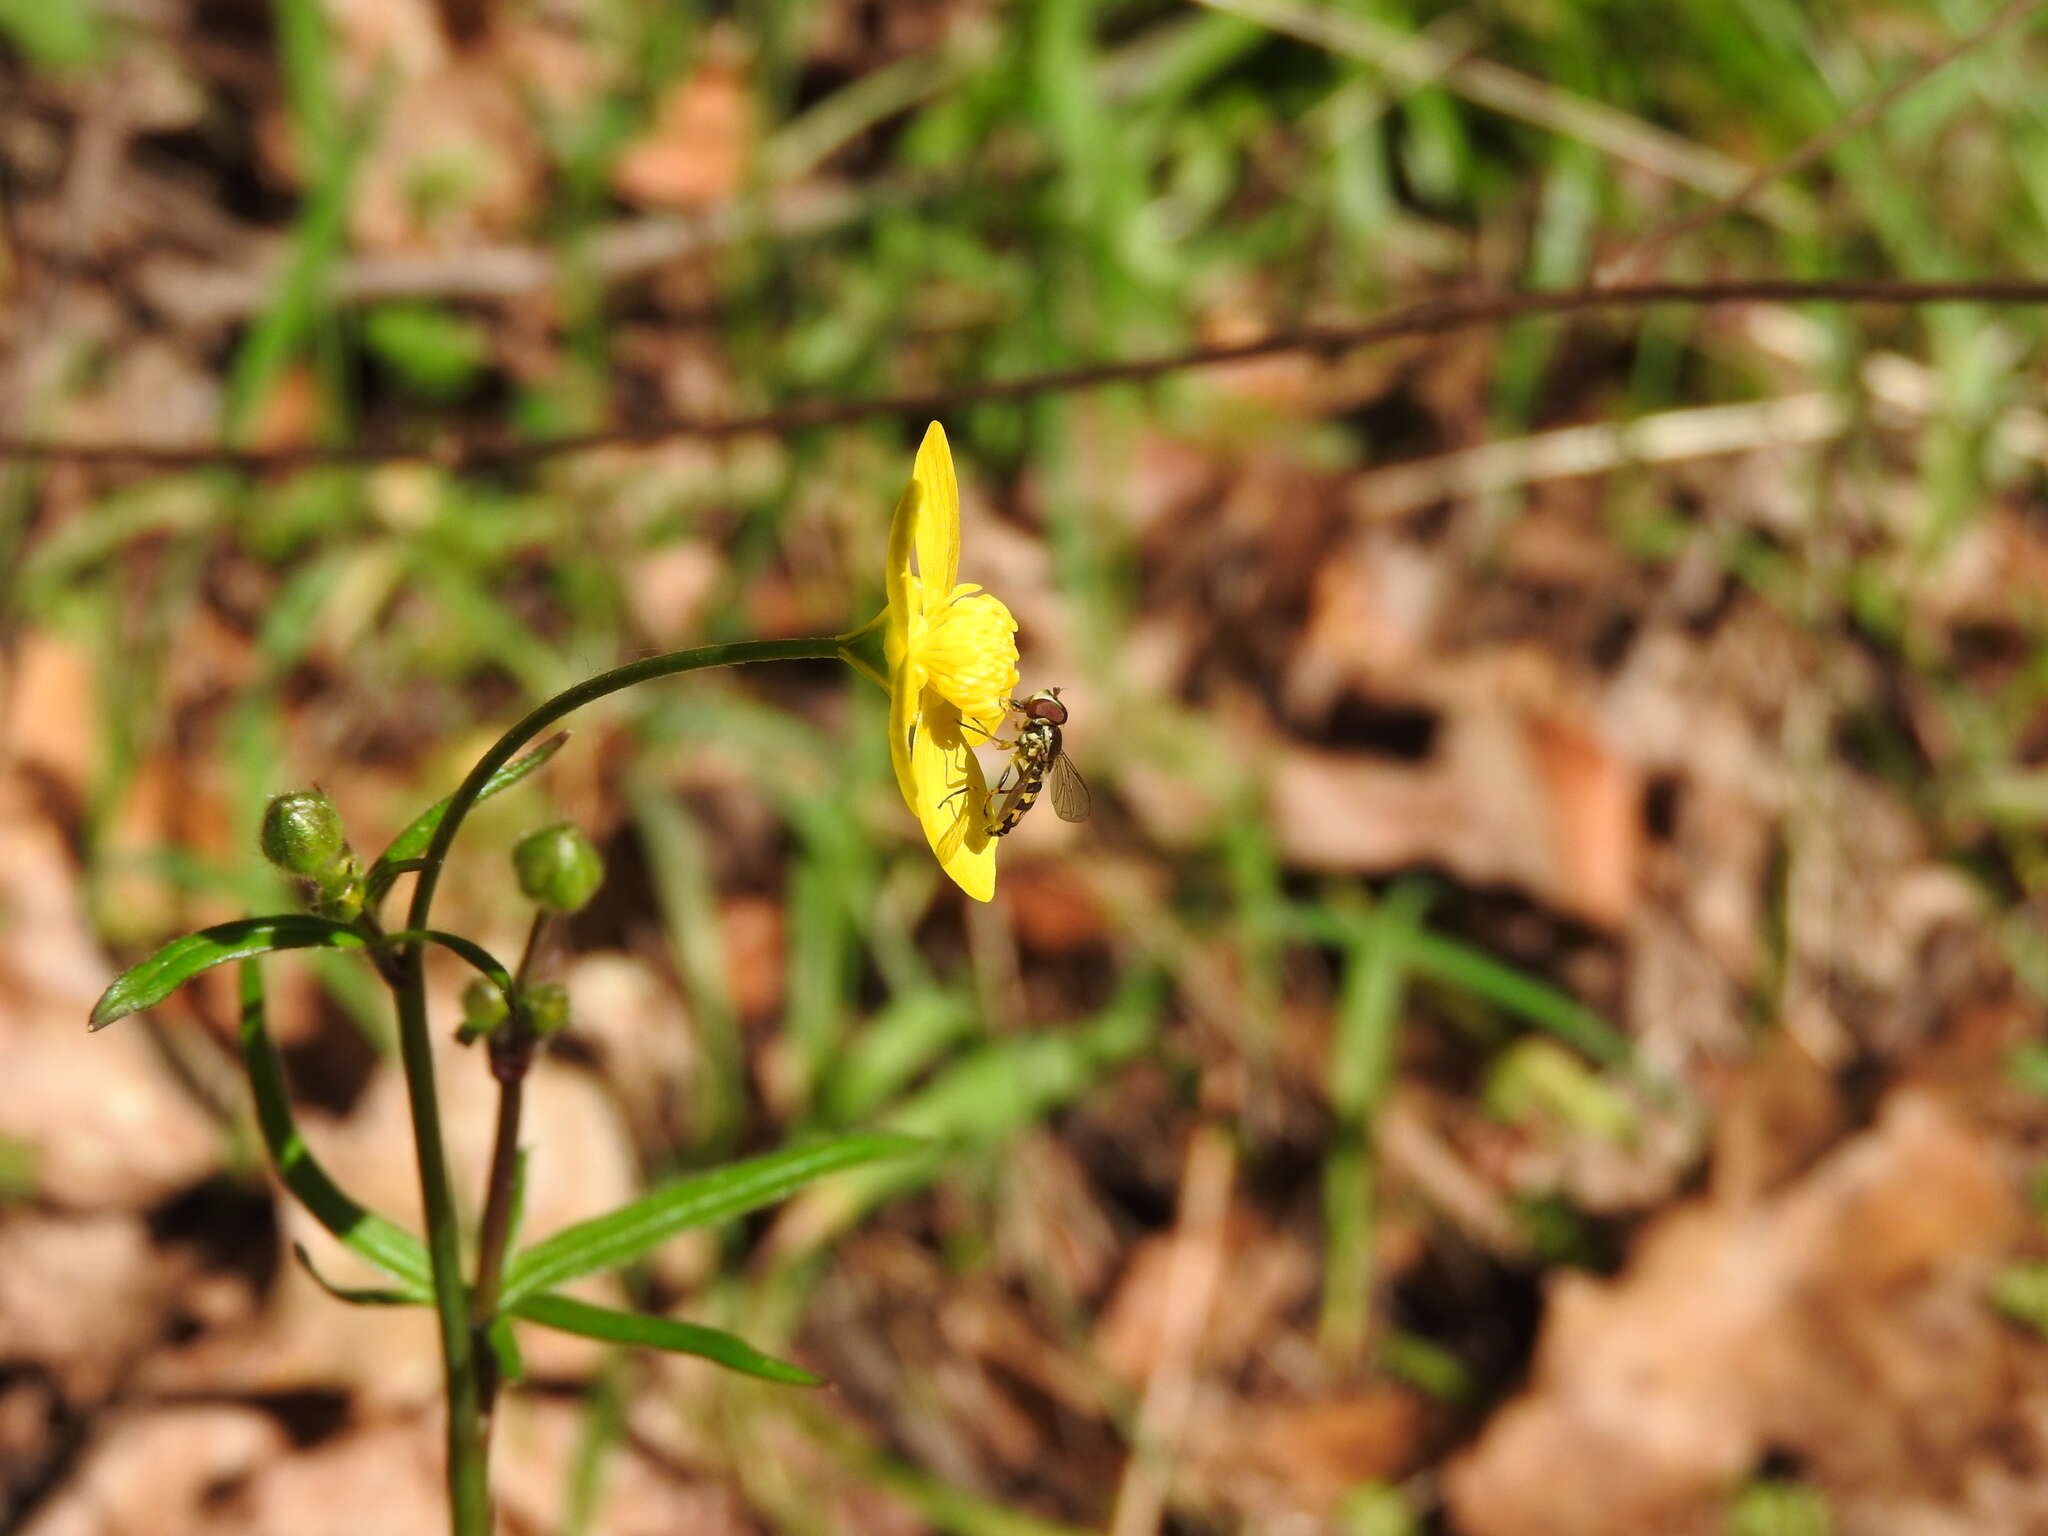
1429 317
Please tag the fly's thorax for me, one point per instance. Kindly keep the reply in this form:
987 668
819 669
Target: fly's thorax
1038 743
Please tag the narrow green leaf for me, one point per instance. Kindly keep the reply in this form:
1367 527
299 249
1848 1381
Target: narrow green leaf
388 1246
678 1338
1460 965
360 1296
488 965
899 1043
406 848
149 983
995 1091
604 1415
1366 1038
621 1236
505 1348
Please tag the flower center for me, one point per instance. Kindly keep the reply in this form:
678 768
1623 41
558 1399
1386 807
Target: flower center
968 652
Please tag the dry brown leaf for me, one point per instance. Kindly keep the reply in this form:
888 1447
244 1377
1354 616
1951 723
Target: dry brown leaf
751 928
1317 1450
1595 798
385 1478
696 151
107 1122
1268 1275
635 1024
81 1296
1841 1323
48 693
532 1470
157 1472
667 588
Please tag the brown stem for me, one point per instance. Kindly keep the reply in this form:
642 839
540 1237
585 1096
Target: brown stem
1431 316
511 1050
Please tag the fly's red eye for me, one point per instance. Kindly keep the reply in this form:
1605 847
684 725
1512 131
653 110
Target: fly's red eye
1050 710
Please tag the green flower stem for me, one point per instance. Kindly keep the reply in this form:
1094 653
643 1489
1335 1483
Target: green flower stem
468 1443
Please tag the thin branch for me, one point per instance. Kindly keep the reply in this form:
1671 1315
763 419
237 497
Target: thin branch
1429 317
1821 145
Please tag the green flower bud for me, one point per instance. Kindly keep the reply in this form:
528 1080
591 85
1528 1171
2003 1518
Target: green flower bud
302 834
339 893
483 1010
547 1007
558 868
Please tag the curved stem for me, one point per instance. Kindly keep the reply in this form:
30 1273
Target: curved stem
468 1491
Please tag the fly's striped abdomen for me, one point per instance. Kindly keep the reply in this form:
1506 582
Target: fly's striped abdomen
1038 744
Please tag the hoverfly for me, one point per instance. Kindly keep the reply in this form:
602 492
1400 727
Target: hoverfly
1037 757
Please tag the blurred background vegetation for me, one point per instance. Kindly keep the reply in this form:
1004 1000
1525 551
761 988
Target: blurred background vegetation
1566 792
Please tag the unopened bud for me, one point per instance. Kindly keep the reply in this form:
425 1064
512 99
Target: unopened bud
302 834
547 1007
558 868
483 1010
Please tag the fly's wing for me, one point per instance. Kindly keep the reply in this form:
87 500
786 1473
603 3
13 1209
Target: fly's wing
1069 790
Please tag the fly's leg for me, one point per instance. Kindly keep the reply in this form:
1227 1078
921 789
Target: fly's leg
989 738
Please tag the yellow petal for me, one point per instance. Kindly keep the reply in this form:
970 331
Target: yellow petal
902 722
899 582
937 517
940 765
967 650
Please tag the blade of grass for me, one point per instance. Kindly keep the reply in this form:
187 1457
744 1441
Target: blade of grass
1366 1032
604 1417
980 1101
1459 965
1435 957
677 858
1417 59
336 154
897 1044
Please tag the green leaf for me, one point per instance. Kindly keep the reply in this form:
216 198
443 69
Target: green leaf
149 983
406 848
2020 1291
1459 965
1779 1507
899 1043
388 1246
678 1338
65 36
1366 1039
621 1236
2026 1066
505 1349
488 965
359 1296
435 353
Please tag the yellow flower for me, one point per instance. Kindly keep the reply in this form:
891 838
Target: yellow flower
951 651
